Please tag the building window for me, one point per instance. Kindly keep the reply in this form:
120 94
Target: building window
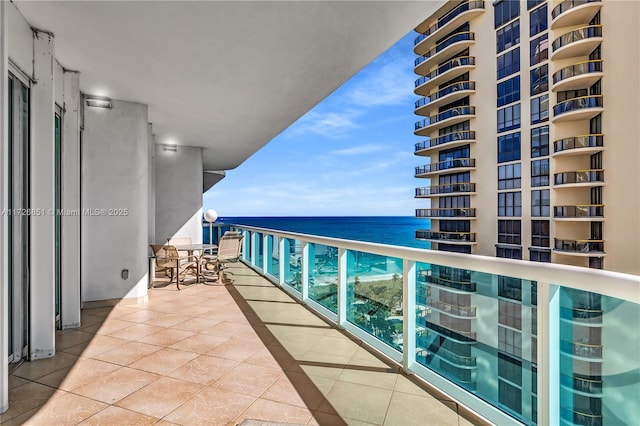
452 154
534 3
540 109
505 11
510 369
509 147
540 141
454 248
510 204
540 172
509 231
508 36
510 396
510 314
540 202
509 252
539 49
539 80
540 233
464 177
510 287
509 63
455 202
509 176
510 341
455 226
509 118
537 255
538 20
509 91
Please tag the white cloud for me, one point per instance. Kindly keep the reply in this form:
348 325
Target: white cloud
327 124
388 84
359 150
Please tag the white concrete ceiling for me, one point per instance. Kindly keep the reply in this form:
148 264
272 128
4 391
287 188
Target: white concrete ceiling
227 76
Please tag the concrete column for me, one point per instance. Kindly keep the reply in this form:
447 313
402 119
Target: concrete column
152 186
4 243
70 258
42 178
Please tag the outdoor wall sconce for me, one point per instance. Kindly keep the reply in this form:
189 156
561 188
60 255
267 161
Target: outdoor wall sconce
170 148
99 102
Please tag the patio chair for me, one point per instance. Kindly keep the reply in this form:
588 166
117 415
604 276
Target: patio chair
229 250
168 257
180 241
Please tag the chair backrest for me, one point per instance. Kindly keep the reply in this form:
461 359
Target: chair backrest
158 250
229 247
167 256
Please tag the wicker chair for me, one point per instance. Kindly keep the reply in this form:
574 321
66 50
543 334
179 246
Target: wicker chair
229 250
168 258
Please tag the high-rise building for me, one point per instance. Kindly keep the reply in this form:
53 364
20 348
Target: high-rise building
528 115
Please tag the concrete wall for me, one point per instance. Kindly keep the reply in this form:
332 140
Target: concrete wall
178 193
114 178
20 38
4 260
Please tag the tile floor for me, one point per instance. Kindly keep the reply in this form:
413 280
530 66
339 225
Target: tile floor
216 355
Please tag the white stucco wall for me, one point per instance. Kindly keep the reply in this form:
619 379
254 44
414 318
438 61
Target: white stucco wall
115 174
178 193
20 39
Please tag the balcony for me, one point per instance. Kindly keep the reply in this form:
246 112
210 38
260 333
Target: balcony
451 140
457 213
449 21
579 42
580 212
581 418
582 315
579 178
445 72
454 310
447 48
447 94
458 335
578 76
445 118
579 145
581 108
445 166
582 384
581 349
570 13
455 359
466 286
592 248
447 237
445 189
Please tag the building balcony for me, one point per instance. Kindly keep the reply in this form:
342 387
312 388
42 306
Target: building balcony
447 237
454 358
582 384
457 335
579 178
445 118
445 95
591 248
578 76
581 418
579 42
445 72
453 310
454 18
581 108
464 286
570 13
450 140
582 315
446 166
447 48
580 212
581 349
579 145
457 213
446 189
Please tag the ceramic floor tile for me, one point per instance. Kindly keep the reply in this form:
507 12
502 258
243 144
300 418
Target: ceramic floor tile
166 337
128 353
68 340
167 320
295 389
111 326
160 397
96 346
81 373
136 331
67 409
200 343
141 316
204 369
117 385
15 381
36 369
212 406
113 415
163 361
407 410
358 402
197 324
235 349
271 411
227 329
379 379
26 397
248 379
323 419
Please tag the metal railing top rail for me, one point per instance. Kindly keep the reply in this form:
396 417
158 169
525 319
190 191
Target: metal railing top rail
620 285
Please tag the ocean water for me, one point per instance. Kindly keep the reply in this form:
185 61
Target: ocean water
393 230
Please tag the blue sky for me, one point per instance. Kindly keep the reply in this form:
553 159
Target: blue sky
352 155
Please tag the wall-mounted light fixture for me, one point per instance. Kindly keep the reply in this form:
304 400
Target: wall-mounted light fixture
99 102
170 148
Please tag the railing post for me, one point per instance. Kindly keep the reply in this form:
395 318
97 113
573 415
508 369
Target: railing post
342 286
254 246
305 271
283 256
408 314
266 253
548 354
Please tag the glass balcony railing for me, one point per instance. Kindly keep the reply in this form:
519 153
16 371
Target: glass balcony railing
407 304
444 115
579 211
456 62
452 188
587 67
579 176
447 17
578 142
445 165
576 104
445 213
462 135
453 39
568 5
459 237
590 31
579 246
452 88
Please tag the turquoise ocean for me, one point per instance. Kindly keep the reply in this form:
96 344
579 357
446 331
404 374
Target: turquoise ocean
393 230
